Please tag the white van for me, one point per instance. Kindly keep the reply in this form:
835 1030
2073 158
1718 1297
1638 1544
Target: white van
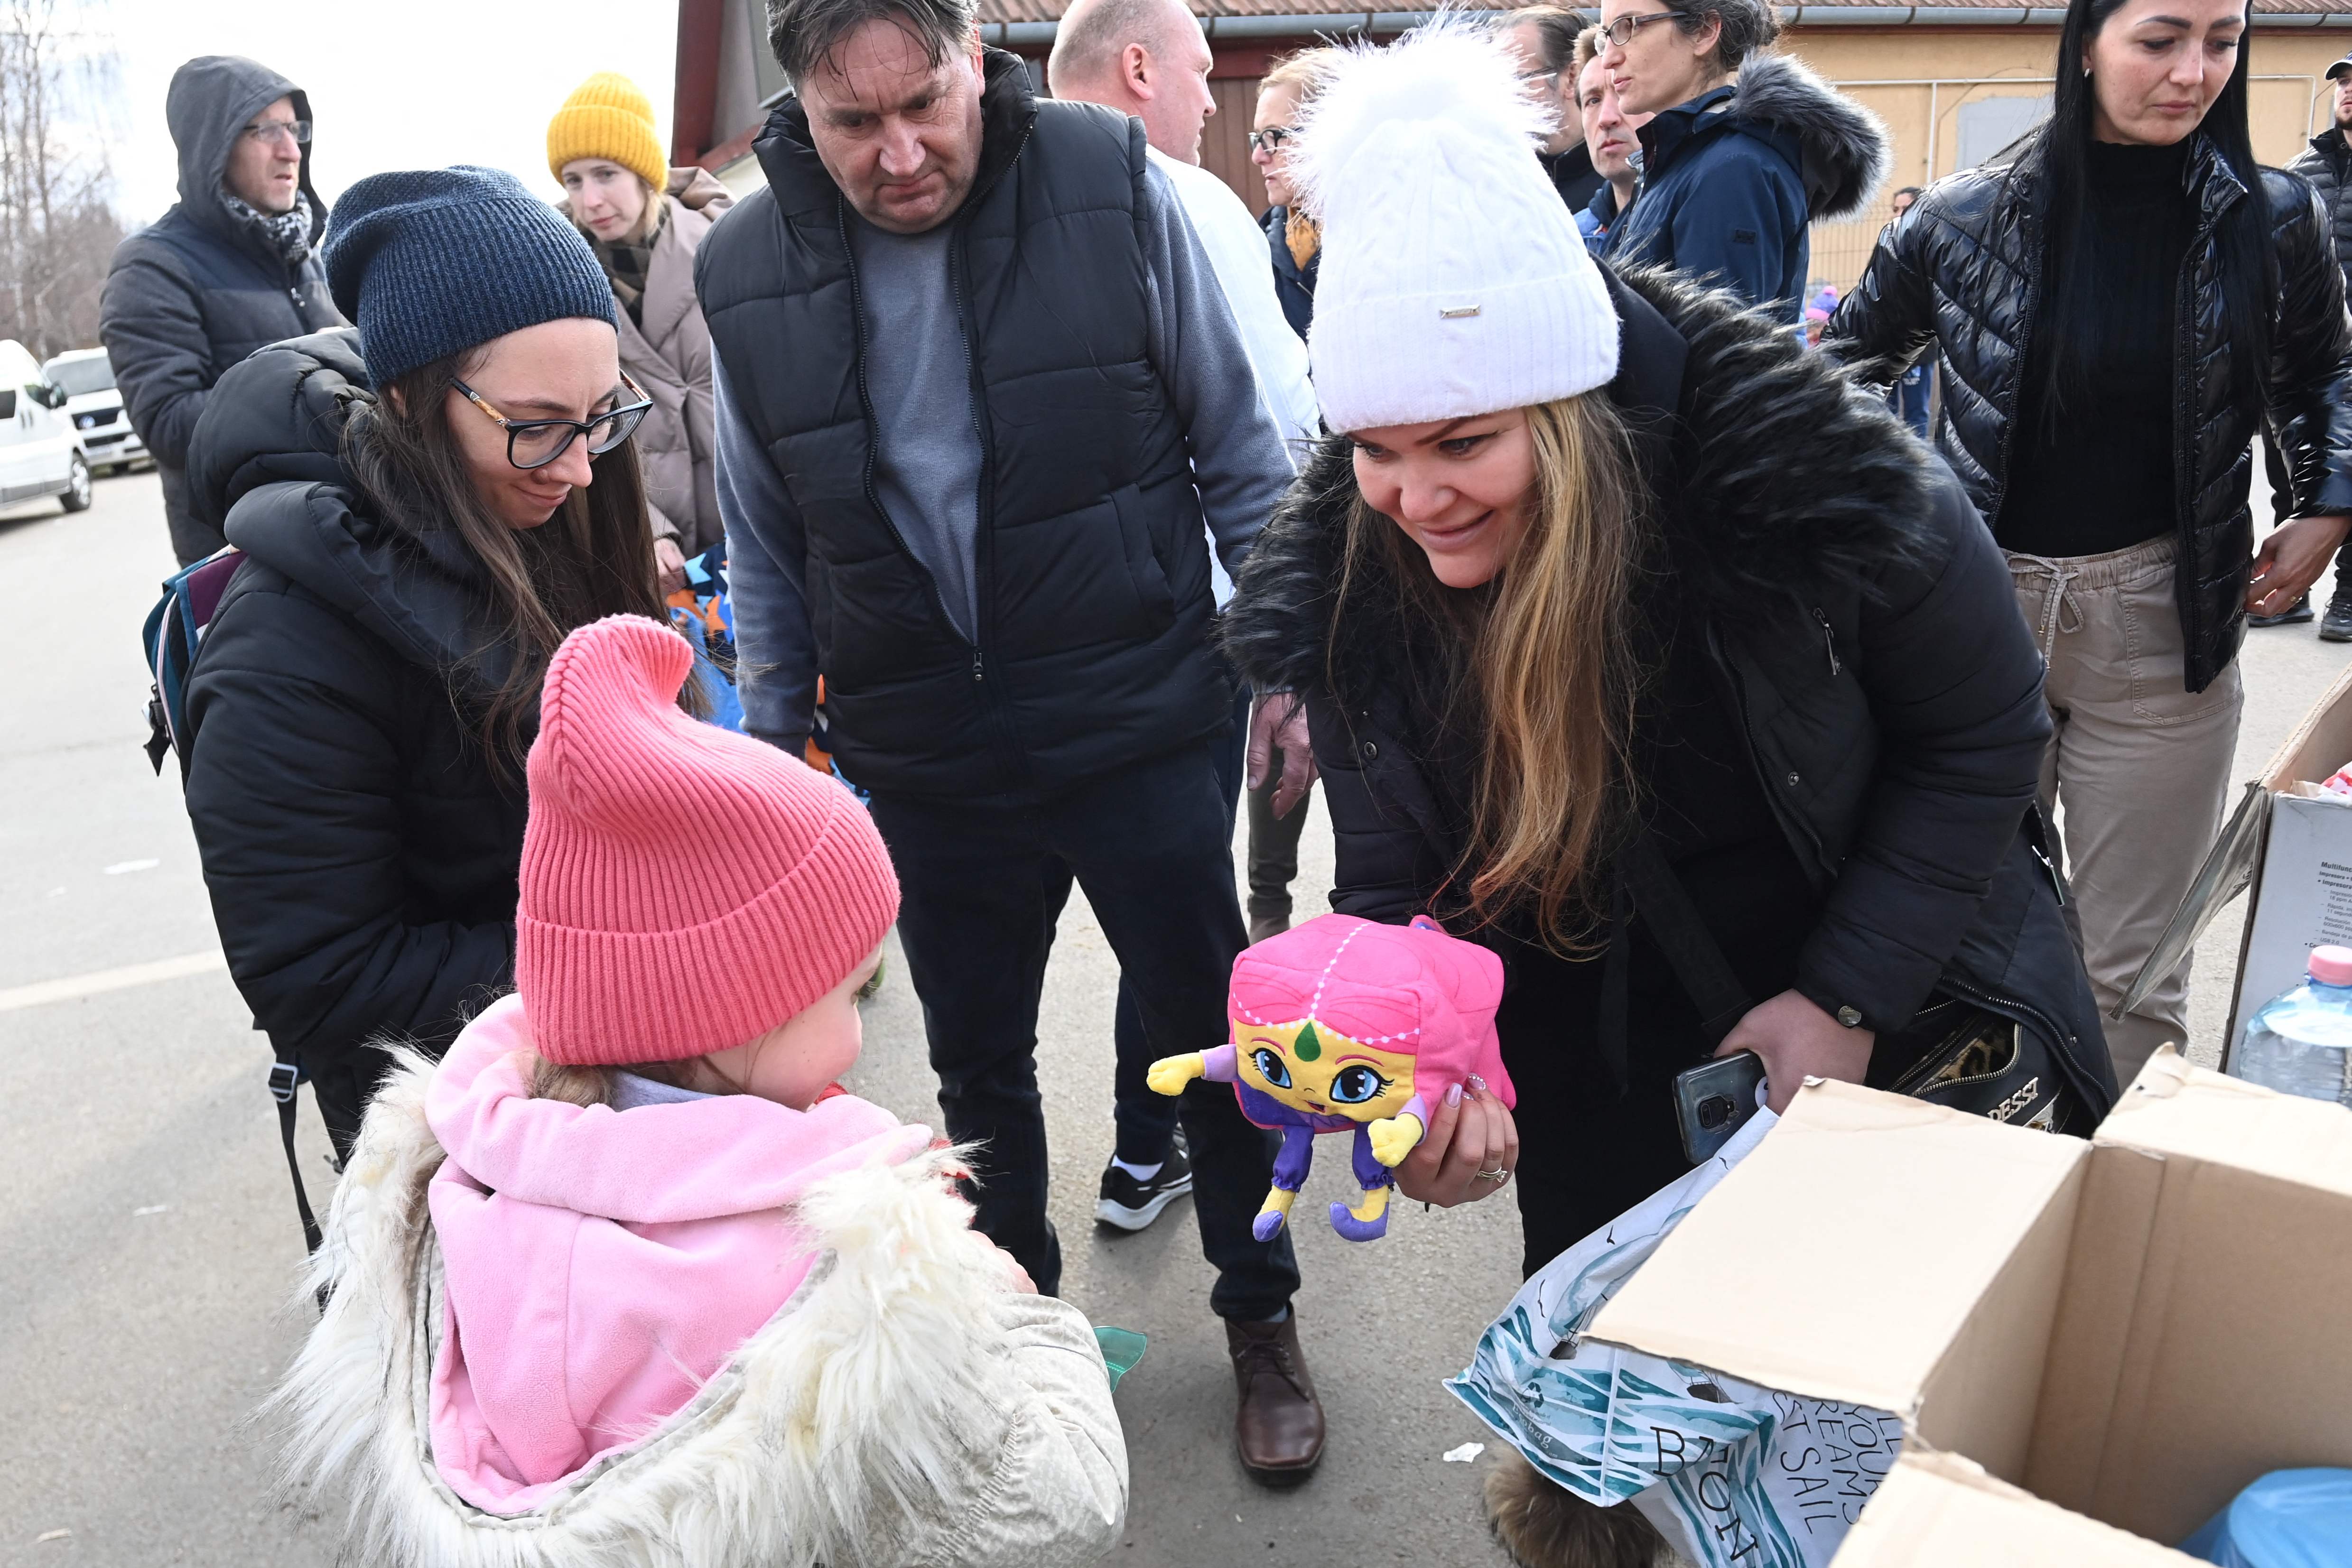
40 450
94 406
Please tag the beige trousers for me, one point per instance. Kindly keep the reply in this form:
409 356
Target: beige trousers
2137 774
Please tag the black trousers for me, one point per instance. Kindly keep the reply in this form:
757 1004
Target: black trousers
980 884
1145 1121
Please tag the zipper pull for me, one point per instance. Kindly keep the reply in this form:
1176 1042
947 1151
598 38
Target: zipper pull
1828 638
976 674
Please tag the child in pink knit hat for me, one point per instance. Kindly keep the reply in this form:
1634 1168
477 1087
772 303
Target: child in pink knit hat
620 1281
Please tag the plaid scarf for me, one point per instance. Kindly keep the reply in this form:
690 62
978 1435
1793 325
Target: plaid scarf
1304 236
287 233
627 259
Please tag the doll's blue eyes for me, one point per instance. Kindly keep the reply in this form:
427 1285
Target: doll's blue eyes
1270 1068
1357 1085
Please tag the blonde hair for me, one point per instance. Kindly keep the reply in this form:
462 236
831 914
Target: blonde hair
595 1085
1305 72
1540 668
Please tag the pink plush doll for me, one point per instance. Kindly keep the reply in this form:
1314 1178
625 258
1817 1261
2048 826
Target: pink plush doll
1341 1024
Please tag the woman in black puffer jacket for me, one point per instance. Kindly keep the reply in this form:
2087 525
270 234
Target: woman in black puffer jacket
1698 588
1605 586
362 704
2115 314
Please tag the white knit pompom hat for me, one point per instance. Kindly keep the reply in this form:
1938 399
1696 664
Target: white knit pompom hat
1454 280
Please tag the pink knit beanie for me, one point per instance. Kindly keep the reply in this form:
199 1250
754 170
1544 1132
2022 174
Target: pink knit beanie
685 889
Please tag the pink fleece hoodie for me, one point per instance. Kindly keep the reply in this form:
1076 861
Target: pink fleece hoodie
601 1265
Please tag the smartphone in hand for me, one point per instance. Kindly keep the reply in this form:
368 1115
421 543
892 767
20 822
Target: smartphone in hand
1714 1100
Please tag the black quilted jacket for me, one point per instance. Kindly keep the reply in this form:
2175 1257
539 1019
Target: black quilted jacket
2328 167
1962 273
1860 625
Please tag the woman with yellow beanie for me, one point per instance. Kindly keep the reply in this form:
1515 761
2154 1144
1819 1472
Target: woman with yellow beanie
644 220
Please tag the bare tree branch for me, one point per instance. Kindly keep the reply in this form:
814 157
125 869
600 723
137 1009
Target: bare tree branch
57 224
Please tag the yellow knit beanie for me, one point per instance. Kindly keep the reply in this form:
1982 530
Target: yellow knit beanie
607 116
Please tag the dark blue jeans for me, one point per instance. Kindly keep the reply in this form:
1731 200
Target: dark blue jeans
1908 397
1145 1121
980 884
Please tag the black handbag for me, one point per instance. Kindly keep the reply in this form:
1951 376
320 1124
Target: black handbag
1961 1050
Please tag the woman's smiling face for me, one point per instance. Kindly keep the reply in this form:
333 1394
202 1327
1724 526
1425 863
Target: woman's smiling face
1461 489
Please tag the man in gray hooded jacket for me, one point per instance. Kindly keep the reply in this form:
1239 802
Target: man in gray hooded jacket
230 269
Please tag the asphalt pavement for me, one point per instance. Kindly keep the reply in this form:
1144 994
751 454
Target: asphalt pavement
150 1243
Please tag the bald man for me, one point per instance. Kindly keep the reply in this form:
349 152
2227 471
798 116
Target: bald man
1147 58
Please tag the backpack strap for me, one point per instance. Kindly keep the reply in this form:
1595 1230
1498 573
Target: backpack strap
285 1076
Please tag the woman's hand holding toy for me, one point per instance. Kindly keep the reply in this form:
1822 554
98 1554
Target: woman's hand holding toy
1472 1147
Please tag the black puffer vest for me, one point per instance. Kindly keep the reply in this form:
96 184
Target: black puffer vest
1961 274
2326 166
1093 645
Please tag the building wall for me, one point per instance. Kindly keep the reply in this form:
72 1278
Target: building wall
1923 81
1931 84
1224 140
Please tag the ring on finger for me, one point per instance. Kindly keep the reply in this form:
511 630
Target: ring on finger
1497 1176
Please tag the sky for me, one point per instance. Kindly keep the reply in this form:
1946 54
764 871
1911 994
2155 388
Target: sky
411 85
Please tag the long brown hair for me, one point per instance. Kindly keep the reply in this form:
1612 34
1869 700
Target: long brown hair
593 557
1538 667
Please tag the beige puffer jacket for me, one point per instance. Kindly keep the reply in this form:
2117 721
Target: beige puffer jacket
669 356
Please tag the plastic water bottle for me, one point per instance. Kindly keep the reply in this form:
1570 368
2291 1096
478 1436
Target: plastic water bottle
2300 1041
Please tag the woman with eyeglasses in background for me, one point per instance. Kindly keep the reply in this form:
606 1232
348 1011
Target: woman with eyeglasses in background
1283 95
424 512
2114 310
1744 152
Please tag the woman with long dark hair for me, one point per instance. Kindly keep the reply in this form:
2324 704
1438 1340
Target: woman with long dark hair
2115 311
424 512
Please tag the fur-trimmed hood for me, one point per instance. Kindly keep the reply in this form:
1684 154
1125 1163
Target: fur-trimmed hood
1774 475
1844 148
904 1405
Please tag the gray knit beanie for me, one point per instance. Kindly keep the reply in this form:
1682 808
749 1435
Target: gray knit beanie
431 262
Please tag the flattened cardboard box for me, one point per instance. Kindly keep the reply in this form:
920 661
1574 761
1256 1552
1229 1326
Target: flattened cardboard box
2296 855
2129 1329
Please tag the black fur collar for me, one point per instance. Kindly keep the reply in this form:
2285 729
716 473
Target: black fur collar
1776 474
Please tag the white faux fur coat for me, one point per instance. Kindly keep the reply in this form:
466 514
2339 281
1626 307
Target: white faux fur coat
902 1410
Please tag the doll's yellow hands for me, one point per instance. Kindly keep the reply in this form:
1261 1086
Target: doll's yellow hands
1393 1137
1170 1074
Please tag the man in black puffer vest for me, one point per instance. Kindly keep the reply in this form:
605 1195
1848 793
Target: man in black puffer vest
976 394
2328 166
226 270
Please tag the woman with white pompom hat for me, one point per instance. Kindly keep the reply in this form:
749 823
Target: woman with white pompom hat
1604 582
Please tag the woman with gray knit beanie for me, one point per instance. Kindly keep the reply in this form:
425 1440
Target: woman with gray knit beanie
425 508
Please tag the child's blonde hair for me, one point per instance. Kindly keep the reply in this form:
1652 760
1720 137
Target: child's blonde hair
594 1084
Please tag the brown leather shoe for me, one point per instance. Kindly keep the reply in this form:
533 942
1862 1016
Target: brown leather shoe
1279 1427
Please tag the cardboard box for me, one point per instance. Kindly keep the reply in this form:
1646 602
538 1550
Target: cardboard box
2296 854
2119 1333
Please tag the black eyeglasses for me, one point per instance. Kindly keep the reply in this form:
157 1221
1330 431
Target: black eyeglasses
1621 31
271 129
1271 139
536 442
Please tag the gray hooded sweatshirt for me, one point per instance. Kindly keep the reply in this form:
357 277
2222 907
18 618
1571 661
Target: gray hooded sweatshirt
201 288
